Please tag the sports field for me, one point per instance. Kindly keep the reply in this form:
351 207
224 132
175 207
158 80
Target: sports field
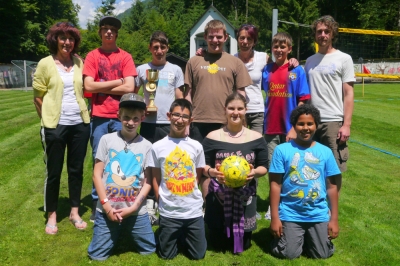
369 213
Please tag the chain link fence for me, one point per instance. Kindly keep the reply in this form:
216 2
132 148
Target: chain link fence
18 74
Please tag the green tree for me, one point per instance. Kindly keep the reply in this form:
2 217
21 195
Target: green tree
299 11
28 22
135 20
13 30
90 37
107 8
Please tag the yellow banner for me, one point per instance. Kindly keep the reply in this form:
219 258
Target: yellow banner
374 32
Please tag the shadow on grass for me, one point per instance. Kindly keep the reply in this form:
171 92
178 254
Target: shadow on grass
64 208
263 239
262 204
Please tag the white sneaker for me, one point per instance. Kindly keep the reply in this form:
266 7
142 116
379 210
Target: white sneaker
268 214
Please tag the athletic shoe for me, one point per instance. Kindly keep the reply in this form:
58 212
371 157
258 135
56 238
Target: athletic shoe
267 216
93 215
154 219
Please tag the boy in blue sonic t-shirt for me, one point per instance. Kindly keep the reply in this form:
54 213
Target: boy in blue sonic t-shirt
303 175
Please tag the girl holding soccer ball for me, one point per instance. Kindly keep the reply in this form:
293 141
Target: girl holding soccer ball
231 212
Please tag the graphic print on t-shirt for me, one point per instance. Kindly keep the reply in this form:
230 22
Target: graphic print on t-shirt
305 181
213 68
109 72
179 173
124 169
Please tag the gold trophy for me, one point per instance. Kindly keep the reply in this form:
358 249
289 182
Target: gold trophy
151 86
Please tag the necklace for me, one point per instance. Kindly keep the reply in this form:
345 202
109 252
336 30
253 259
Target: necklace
246 59
129 142
65 65
237 134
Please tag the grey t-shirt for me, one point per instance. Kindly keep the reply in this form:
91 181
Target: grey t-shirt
123 174
170 77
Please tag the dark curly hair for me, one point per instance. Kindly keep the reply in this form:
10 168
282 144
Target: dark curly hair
308 109
330 22
62 28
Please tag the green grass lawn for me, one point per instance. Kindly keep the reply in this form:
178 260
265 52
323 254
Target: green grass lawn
369 215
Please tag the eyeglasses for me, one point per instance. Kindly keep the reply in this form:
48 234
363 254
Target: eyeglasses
65 38
69 24
106 29
176 116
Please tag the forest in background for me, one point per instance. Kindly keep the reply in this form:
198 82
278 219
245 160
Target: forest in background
26 22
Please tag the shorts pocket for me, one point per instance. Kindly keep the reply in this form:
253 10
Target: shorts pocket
343 151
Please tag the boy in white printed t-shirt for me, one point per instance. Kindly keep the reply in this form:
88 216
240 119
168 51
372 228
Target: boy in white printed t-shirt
177 163
170 86
121 180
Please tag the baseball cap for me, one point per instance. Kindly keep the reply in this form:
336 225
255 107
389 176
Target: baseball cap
112 21
132 100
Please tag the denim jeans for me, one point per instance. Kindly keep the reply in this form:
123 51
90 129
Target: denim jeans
106 233
100 127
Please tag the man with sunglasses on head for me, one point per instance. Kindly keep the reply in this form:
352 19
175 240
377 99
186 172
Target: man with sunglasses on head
330 75
108 73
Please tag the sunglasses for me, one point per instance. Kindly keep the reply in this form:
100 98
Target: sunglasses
248 26
69 24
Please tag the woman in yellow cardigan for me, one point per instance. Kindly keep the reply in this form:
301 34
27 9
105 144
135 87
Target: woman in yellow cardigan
58 97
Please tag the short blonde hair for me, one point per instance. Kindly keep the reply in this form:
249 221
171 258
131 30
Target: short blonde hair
214 25
282 37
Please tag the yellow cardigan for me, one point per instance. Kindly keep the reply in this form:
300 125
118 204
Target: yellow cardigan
48 85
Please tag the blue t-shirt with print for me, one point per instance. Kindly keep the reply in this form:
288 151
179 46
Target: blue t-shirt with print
303 192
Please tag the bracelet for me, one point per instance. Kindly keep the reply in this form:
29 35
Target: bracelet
122 80
109 211
104 201
208 172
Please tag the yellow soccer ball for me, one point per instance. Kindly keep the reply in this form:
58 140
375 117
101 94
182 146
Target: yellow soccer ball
235 170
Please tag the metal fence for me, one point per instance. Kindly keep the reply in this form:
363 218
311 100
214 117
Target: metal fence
18 74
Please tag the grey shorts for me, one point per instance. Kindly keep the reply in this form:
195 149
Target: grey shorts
272 142
327 135
308 238
255 121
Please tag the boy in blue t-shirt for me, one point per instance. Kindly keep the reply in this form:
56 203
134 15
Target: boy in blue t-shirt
303 175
